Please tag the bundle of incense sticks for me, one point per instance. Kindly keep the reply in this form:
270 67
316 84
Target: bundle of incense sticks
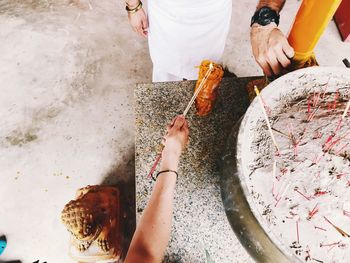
189 105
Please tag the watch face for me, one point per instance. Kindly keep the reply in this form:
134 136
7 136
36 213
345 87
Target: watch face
265 16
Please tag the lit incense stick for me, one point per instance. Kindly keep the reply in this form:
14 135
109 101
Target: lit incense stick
201 85
266 118
343 117
346 110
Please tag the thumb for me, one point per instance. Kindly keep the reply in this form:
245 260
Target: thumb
288 50
179 122
144 23
185 127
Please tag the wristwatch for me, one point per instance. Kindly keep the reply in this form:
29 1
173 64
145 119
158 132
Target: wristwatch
265 16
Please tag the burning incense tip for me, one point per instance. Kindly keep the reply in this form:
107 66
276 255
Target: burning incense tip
266 117
257 91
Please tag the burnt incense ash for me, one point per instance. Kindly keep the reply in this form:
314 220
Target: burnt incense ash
303 192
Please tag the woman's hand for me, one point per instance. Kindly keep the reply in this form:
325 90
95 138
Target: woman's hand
270 48
177 136
139 22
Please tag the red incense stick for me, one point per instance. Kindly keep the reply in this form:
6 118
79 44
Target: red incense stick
341 148
308 105
154 166
296 190
313 212
330 245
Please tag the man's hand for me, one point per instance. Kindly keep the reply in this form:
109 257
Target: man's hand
139 22
270 48
177 136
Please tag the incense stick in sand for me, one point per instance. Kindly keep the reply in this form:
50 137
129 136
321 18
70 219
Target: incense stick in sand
346 110
266 118
340 123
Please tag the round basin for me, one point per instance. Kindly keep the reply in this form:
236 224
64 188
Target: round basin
242 213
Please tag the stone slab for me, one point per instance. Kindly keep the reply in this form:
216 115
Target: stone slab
199 222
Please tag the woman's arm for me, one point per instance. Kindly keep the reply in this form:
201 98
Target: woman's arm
137 20
153 231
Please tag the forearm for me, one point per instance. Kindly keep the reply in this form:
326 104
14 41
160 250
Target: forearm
276 5
157 218
153 231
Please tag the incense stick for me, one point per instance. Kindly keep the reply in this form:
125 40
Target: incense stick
340 123
274 169
201 85
346 110
297 226
154 166
266 117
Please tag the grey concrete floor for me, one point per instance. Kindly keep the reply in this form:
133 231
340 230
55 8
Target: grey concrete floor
67 73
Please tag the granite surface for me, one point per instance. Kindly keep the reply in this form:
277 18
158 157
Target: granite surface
200 223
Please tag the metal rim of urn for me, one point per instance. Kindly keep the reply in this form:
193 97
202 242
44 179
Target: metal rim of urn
239 207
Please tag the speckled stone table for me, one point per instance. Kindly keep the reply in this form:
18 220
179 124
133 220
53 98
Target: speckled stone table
200 222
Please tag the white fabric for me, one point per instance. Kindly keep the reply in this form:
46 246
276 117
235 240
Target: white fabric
182 33
162 76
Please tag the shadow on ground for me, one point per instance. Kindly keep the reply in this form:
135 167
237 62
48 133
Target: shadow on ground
123 176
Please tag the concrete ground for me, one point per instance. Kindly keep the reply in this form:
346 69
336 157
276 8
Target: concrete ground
67 72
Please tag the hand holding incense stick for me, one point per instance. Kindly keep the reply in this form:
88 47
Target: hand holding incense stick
159 156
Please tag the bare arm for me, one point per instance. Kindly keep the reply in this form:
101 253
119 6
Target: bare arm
270 46
153 231
139 19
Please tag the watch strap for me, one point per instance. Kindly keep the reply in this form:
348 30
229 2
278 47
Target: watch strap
265 16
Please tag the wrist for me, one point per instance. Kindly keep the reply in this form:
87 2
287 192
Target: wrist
168 173
170 161
269 26
172 152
